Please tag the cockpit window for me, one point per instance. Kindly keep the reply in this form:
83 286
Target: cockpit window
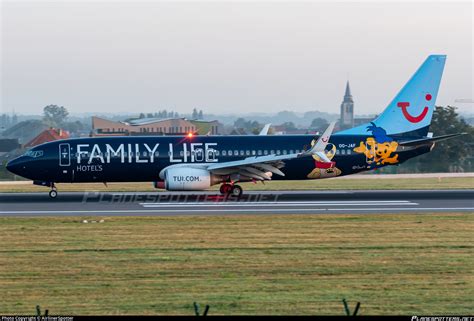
34 153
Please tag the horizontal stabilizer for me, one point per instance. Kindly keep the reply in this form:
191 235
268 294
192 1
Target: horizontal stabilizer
422 141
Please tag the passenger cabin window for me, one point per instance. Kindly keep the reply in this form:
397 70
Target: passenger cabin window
211 155
199 157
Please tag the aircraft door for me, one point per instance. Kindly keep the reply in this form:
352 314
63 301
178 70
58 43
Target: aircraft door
64 155
370 146
65 171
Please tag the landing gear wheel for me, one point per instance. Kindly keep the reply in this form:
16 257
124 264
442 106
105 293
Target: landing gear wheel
225 188
236 191
53 193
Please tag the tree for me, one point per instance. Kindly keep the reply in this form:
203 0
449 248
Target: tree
248 125
289 125
240 123
455 154
319 124
74 127
54 115
163 114
195 114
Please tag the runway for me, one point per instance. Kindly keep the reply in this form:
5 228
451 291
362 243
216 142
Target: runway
255 202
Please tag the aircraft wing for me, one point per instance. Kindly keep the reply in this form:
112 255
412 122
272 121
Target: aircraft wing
260 167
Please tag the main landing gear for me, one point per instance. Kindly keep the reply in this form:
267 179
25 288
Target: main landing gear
231 189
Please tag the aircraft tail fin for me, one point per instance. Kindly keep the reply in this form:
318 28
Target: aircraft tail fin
410 112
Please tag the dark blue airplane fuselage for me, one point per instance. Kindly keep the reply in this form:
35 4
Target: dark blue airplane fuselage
137 159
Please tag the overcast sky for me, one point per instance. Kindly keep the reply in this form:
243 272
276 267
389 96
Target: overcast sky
227 57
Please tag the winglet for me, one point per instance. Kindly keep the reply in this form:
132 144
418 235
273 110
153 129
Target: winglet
322 142
264 130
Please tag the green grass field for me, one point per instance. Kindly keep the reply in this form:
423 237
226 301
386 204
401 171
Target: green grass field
325 184
282 264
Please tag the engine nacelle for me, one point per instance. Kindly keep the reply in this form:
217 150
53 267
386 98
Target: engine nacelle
189 179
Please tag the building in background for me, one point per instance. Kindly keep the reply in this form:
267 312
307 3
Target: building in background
47 135
347 110
153 126
347 119
212 127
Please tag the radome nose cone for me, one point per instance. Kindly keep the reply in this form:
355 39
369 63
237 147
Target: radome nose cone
13 166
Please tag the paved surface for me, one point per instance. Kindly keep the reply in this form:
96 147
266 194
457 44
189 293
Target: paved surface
211 203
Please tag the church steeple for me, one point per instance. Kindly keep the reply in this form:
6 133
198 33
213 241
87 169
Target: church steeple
347 109
347 95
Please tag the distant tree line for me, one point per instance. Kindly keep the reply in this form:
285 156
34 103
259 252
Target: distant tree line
196 114
161 114
7 120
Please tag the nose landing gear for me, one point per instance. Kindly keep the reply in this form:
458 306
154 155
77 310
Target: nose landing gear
53 193
231 189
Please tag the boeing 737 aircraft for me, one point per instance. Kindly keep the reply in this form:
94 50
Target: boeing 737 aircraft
181 163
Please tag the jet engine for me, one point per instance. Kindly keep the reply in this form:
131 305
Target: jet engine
189 179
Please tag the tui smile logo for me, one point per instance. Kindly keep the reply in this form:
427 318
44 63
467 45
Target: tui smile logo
410 118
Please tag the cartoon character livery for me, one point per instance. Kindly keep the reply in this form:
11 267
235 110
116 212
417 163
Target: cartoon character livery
179 163
379 149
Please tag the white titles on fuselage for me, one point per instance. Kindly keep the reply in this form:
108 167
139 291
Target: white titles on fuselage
144 153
